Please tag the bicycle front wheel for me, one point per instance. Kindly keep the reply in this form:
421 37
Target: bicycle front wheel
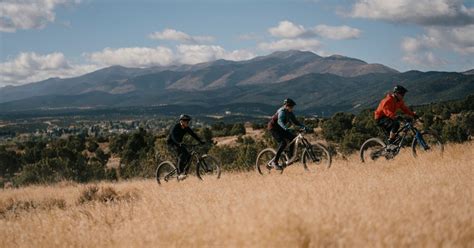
372 149
429 143
316 155
208 167
165 172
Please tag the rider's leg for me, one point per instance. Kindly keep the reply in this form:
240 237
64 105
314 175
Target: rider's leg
174 149
395 125
289 136
390 126
277 134
183 158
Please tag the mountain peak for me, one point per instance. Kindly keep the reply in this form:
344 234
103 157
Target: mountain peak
340 57
469 72
291 53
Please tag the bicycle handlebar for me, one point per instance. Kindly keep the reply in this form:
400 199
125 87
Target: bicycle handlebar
410 120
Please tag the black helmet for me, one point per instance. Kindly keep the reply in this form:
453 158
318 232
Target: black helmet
184 117
289 102
400 89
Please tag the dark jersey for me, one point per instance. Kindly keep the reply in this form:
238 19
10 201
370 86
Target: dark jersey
177 133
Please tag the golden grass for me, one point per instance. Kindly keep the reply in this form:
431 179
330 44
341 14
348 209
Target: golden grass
426 202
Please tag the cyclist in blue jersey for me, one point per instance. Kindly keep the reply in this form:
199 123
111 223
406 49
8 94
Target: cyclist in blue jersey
279 128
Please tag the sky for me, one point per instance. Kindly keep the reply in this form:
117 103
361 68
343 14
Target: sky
40 39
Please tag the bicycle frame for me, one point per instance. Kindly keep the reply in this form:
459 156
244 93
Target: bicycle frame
409 127
194 154
298 140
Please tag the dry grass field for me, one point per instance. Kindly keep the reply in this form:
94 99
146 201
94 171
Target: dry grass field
405 202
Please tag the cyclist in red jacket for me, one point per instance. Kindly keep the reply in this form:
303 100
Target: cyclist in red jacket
385 115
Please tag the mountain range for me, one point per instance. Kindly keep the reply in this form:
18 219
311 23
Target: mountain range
330 84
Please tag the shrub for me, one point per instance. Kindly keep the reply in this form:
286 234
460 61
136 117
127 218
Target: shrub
105 195
335 128
455 133
13 208
238 129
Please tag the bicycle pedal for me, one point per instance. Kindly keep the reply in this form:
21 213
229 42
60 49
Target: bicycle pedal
269 167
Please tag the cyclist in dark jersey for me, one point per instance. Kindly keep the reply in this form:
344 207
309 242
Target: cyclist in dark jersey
279 128
175 139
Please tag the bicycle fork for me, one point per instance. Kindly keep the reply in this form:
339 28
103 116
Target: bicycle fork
420 140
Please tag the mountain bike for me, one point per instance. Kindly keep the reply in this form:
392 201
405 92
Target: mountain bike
423 142
206 167
312 156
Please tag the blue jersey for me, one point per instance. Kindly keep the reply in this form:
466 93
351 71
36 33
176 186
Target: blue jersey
283 118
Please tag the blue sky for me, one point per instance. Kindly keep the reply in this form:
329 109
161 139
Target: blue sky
47 38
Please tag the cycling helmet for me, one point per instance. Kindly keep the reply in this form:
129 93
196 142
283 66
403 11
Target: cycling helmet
184 117
400 89
289 102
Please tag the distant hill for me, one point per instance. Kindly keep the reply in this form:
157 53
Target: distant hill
470 72
319 84
274 68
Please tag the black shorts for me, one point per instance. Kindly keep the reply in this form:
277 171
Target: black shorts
281 135
389 125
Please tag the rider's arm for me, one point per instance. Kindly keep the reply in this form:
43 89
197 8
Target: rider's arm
406 110
295 121
281 119
194 135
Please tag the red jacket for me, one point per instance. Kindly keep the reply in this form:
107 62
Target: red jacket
388 107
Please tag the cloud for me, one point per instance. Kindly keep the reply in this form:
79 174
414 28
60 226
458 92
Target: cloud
291 44
336 32
422 43
31 67
193 54
163 56
460 39
424 59
422 12
287 29
133 56
421 50
175 35
28 14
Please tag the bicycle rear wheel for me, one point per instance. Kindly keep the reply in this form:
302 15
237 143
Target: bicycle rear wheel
372 149
316 155
265 157
208 167
165 172
432 144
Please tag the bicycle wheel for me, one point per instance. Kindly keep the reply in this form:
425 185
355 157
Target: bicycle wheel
432 144
372 149
316 155
208 167
165 172
265 157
